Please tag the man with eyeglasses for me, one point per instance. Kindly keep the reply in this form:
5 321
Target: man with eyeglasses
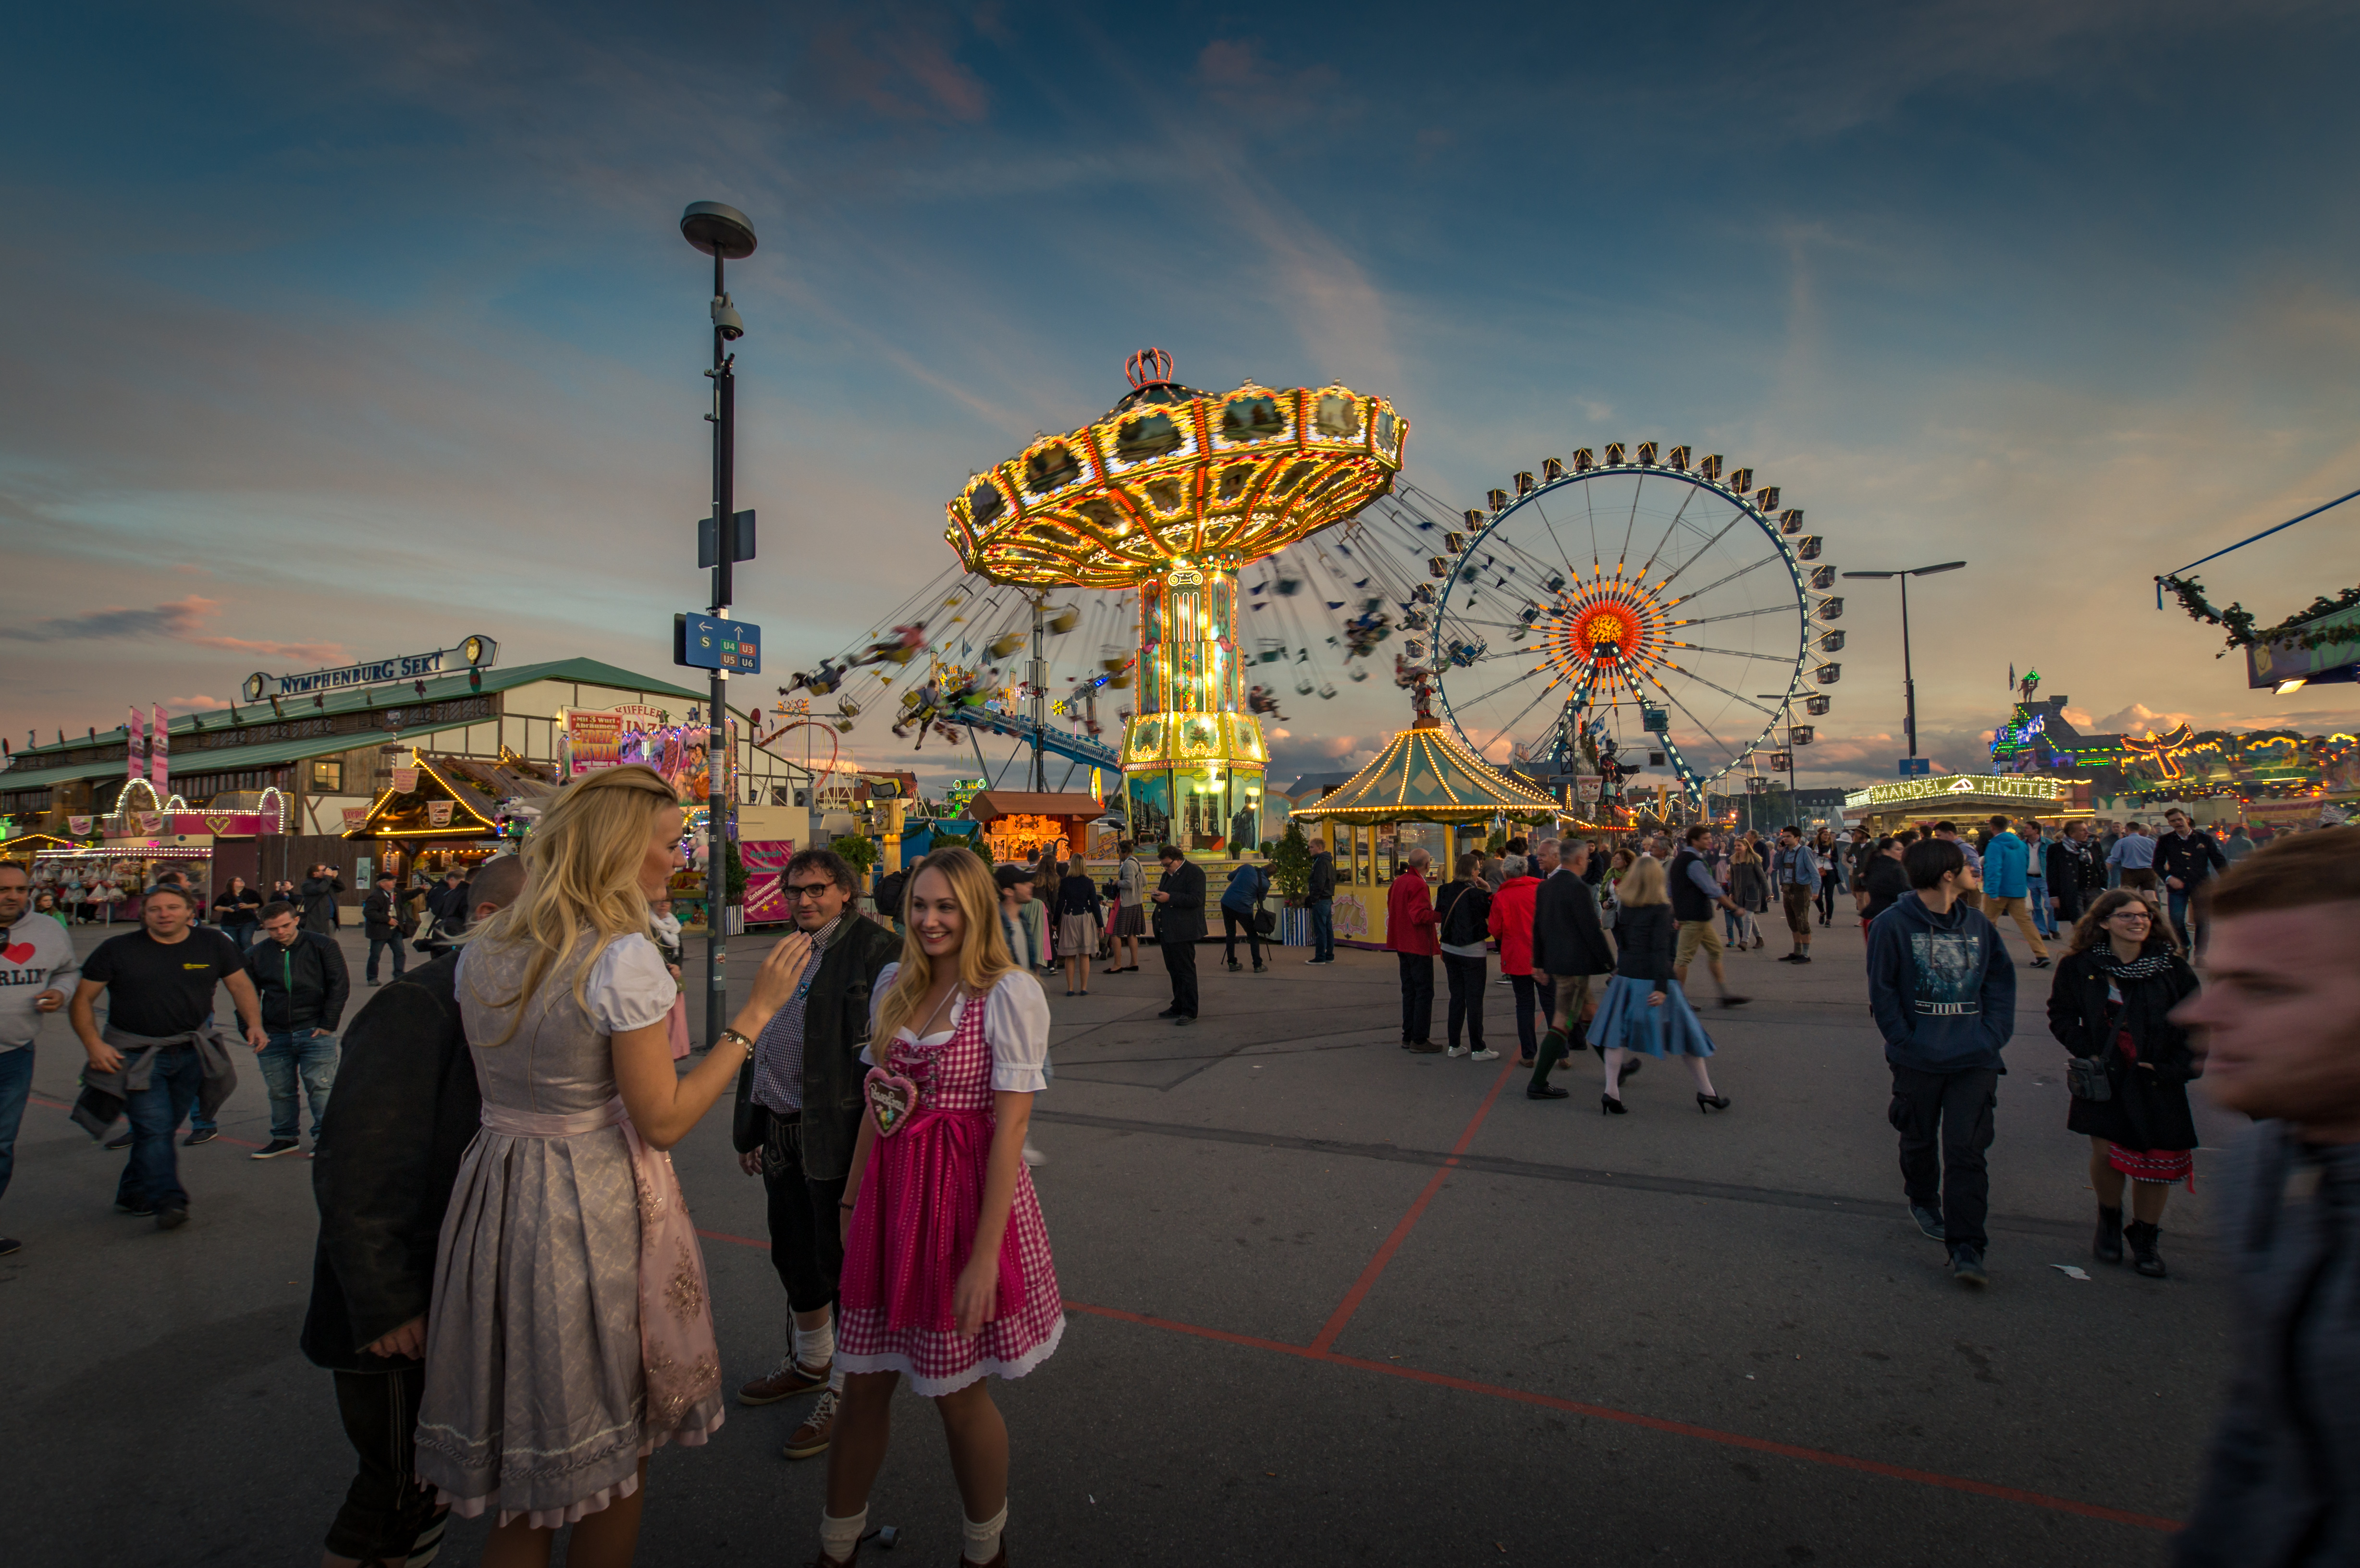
799 1108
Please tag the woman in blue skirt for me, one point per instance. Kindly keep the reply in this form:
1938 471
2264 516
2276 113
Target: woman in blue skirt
1644 1009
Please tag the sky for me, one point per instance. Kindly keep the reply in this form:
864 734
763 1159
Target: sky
334 332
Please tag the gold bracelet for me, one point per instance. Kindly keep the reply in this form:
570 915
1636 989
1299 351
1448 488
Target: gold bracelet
733 1034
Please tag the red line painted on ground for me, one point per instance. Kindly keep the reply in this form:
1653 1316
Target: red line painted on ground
1368 1276
724 1235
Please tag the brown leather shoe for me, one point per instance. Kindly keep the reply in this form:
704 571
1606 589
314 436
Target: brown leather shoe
788 1381
809 1440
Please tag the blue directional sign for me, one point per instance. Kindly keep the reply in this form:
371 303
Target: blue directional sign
1915 766
707 642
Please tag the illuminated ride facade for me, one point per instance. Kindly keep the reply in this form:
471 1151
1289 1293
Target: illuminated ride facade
1173 493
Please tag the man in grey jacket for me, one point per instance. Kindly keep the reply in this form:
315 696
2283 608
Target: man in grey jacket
36 967
2279 1015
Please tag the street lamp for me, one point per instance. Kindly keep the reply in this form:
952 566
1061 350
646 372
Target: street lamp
1908 680
723 233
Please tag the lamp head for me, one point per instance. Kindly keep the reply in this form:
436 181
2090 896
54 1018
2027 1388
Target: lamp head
1930 571
717 230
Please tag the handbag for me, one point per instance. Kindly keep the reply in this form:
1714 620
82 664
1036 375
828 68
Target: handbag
2086 1077
1264 921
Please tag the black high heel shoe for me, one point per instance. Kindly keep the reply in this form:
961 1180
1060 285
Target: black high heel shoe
1611 1107
1707 1104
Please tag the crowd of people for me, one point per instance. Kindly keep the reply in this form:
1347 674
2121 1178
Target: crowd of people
502 1113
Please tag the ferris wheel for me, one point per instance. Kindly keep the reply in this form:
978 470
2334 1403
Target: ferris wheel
1637 602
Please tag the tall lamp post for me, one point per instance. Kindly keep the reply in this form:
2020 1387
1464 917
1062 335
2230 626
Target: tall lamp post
723 233
1908 679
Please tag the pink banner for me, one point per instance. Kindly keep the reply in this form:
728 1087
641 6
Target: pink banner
134 762
159 752
766 875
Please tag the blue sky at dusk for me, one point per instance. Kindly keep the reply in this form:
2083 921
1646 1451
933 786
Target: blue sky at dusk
339 331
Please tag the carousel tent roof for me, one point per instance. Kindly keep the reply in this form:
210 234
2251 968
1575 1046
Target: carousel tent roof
1426 774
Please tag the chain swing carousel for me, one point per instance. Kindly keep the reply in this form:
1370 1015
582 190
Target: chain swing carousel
1174 493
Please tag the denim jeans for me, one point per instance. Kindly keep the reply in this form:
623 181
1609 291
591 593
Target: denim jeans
2037 890
306 1054
400 959
2176 900
1323 928
15 1087
151 1178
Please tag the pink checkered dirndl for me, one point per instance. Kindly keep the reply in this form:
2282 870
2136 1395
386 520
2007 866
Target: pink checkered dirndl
913 1226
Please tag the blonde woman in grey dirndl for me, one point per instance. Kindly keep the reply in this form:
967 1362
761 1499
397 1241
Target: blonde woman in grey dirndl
570 1334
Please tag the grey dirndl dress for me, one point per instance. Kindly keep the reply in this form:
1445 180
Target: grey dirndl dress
571 1331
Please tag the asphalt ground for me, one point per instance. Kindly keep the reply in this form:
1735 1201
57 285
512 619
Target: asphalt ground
1328 1302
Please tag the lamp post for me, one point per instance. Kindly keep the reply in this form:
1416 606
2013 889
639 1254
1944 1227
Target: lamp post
1908 679
723 233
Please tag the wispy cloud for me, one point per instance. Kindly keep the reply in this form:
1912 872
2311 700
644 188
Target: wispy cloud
181 620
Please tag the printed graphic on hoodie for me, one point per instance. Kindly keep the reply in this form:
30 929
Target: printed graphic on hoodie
1950 966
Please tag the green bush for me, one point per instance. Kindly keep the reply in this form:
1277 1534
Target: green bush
1290 862
860 852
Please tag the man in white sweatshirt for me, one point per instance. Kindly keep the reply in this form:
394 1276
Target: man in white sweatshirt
37 969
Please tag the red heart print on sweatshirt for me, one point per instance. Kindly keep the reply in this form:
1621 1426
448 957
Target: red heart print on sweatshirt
18 952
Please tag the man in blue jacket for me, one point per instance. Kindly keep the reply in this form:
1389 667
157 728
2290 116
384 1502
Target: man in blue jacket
2007 885
1943 992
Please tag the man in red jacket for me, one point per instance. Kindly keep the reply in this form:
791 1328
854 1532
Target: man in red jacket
1409 932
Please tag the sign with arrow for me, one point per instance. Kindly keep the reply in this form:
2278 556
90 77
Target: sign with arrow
707 642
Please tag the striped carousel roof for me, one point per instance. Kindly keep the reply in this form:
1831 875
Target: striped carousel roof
1426 774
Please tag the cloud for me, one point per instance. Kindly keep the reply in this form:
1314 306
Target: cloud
2138 718
199 704
180 620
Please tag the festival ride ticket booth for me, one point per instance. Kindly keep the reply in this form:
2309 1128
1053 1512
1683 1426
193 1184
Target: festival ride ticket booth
1967 800
1426 791
1018 825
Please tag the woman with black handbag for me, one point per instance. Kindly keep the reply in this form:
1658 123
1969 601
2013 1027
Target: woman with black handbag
2110 1006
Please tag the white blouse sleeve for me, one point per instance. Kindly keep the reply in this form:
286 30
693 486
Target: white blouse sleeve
629 986
876 1000
1016 1026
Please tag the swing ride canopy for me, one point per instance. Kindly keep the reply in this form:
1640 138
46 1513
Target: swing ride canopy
1426 774
1175 478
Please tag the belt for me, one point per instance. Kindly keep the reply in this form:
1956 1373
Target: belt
550 1124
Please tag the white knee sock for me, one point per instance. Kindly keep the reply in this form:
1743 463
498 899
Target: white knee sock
836 1378
983 1539
815 1347
840 1538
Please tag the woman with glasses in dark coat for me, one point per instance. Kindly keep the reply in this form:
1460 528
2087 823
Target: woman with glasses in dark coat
2112 1005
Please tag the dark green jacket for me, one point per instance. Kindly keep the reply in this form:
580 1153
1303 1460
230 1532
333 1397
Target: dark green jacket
836 1028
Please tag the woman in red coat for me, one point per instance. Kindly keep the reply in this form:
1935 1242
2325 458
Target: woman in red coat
1512 926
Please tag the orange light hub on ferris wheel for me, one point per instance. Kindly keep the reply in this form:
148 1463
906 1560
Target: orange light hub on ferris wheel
1607 628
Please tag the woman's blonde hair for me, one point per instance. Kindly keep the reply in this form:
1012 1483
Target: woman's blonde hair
582 877
1644 883
983 956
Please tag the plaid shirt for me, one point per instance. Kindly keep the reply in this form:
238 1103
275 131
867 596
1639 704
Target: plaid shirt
779 1054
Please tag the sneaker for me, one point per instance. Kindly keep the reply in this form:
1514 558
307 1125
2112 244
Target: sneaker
1967 1263
1546 1092
1728 1000
2041 963
1482 1056
1928 1220
1802 958
200 1134
9 1244
1456 1050
785 1383
139 1210
1034 1156
1424 1048
1629 1070
120 1141
171 1219
1169 1013
274 1148
809 1440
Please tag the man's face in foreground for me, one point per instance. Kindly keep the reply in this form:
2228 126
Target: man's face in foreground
2280 1017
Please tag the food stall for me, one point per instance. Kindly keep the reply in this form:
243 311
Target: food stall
1426 791
1966 798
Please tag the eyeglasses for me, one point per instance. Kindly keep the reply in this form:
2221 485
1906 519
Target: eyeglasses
2141 916
800 890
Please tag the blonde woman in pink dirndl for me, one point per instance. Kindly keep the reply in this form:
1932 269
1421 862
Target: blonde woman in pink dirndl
946 1272
570 1334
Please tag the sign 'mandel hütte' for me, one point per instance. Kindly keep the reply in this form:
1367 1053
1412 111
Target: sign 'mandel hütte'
473 653
2025 786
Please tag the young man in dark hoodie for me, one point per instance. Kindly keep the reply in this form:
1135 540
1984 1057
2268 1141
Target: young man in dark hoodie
407 1106
1943 992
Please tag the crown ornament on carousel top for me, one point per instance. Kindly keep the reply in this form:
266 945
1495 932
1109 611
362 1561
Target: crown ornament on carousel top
1172 493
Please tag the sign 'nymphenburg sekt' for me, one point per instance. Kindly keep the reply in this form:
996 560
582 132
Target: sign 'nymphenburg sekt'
473 653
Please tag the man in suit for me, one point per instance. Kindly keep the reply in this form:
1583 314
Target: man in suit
1568 945
1179 923
381 923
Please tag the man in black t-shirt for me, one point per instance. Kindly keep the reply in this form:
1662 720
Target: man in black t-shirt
158 1053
